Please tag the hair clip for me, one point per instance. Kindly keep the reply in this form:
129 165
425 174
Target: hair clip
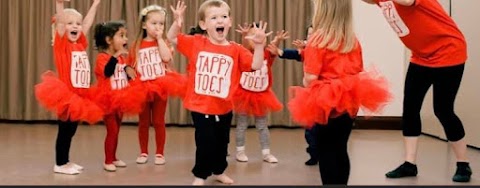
146 10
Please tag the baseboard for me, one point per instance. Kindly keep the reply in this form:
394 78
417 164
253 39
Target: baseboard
379 123
375 123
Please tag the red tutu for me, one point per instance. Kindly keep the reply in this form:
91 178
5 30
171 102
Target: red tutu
255 103
128 101
172 84
325 99
78 105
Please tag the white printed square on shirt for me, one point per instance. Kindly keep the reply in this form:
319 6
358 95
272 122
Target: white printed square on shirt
256 81
394 19
119 79
80 70
213 74
149 64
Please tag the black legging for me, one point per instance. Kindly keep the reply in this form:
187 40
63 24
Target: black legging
445 81
66 130
332 139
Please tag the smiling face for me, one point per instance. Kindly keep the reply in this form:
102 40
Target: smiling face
154 23
119 40
217 23
73 24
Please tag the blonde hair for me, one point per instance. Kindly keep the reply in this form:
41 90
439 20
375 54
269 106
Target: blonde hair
333 25
142 33
210 3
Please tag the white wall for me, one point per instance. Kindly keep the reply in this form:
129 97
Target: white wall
382 49
466 15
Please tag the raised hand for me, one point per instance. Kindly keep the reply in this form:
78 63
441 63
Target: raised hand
274 50
259 34
121 52
300 44
178 12
281 35
243 29
159 34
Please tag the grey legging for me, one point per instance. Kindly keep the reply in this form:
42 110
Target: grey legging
262 127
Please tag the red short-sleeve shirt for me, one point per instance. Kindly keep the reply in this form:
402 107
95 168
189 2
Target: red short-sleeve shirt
427 30
213 73
72 61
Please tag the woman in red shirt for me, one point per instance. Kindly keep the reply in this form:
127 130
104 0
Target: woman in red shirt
439 52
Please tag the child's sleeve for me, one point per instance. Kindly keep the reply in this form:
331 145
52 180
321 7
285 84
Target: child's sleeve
313 60
245 59
100 66
293 54
185 44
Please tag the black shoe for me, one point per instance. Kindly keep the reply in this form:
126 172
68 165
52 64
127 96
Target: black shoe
463 173
405 170
311 162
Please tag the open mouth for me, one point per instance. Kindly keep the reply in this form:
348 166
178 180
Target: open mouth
125 46
74 33
220 30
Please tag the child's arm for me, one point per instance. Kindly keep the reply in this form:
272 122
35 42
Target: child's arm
404 2
258 38
59 23
176 27
308 78
88 20
165 52
369 1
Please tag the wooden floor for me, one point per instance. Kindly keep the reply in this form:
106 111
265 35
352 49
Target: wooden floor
27 158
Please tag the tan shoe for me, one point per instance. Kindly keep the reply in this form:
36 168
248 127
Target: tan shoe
142 159
159 159
119 163
65 169
110 167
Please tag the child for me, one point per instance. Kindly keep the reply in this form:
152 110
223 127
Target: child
297 54
217 65
117 95
69 95
255 97
150 56
335 87
439 53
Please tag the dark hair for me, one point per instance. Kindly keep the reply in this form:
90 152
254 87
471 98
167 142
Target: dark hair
196 30
104 30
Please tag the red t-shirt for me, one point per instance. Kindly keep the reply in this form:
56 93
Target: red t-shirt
147 61
213 73
72 61
427 30
260 80
328 64
119 78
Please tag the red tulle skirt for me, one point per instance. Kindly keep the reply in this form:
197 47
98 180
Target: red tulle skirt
66 103
255 103
172 84
128 101
325 99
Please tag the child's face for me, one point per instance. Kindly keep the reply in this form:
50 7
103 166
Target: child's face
217 23
119 40
73 26
154 24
